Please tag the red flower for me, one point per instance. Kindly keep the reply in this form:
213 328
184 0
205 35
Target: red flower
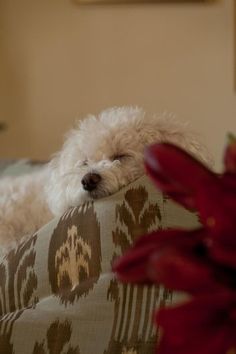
201 262
204 325
191 184
230 155
179 259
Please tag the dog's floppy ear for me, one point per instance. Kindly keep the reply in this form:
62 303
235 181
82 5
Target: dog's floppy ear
168 129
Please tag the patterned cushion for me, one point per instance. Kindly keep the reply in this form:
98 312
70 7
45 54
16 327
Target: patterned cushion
57 292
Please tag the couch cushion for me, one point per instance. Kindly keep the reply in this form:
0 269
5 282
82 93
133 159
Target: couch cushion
57 292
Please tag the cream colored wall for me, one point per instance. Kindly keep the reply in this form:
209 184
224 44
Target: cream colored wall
60 61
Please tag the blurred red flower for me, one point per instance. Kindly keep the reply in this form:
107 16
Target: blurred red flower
201 262
204 325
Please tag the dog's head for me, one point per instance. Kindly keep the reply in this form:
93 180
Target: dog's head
105 153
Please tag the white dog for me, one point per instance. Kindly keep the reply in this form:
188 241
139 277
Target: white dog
100 156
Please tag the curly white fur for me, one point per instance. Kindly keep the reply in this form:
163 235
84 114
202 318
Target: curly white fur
110 145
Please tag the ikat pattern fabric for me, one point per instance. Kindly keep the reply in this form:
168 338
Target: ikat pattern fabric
57 292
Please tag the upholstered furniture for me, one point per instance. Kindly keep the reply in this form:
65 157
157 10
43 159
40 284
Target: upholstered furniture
57 292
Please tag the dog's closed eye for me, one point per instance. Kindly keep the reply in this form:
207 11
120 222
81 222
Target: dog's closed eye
81 163
119 157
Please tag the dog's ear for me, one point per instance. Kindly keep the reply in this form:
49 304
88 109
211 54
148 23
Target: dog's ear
168 129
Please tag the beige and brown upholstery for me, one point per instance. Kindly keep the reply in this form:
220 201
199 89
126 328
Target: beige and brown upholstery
57 292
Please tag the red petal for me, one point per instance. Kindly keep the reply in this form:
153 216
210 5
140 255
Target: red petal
209 342
132 266
217 208
176 172
230 156
179 238
202 325
202 310
224 254
179 272
229 181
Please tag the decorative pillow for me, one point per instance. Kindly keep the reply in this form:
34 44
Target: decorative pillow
57 292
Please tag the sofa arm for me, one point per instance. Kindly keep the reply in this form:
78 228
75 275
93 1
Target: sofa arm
57 292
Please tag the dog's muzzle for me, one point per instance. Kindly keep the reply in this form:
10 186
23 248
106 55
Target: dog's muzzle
90 181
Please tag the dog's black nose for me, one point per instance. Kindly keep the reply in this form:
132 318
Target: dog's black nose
90 181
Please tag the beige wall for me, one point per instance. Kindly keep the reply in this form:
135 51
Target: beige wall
60 61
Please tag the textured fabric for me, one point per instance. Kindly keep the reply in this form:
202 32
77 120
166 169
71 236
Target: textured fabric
18 167
57 293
